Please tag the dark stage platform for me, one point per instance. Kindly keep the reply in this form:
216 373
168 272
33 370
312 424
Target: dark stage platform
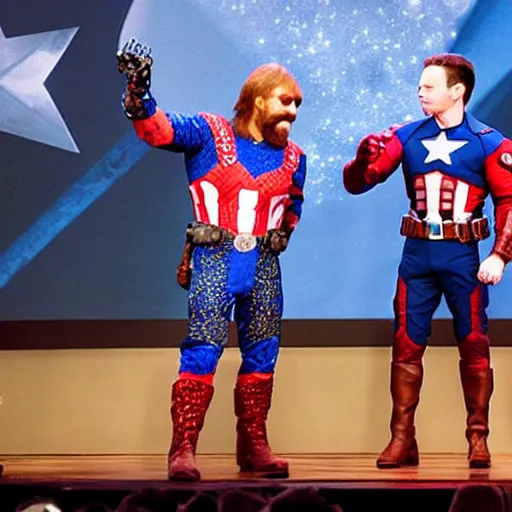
349 480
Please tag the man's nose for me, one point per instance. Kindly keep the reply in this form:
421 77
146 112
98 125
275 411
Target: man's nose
292 109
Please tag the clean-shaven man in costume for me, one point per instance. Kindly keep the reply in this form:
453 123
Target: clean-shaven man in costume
451 162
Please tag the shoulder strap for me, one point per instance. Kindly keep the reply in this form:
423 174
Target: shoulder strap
224 138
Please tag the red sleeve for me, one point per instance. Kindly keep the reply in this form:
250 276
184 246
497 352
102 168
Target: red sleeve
360 177
498 168
156 130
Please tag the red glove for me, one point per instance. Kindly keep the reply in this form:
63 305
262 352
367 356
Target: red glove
378 155
371 147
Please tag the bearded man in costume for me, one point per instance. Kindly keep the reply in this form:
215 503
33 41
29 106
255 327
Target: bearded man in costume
246 182
451 163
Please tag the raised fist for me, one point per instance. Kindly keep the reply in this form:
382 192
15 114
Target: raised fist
371 147
134 60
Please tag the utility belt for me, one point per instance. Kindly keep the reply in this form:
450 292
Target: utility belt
469 231
275 241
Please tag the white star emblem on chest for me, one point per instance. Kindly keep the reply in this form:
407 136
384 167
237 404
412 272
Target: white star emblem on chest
440 148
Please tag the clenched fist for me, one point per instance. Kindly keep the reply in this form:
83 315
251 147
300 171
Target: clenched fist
491 269
134 60
371 147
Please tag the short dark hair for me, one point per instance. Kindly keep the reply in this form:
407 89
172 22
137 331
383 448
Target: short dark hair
458 70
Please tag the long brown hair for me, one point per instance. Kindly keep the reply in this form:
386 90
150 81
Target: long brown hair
260 82
458 70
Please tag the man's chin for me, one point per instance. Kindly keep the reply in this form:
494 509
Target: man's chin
279 140
278 137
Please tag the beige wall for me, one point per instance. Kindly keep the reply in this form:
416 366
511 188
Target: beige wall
326 400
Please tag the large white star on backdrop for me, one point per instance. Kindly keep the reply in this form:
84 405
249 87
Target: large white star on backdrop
26 107
440 148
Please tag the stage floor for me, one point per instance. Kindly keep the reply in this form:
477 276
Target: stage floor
325 470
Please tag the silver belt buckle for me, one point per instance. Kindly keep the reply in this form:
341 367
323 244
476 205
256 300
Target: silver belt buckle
244 242
434 230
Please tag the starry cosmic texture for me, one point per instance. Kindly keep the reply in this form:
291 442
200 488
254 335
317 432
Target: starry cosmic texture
359 65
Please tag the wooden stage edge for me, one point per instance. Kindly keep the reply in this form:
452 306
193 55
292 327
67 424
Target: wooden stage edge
337 471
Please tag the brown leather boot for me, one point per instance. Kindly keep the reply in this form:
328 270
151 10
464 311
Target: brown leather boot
477 388
252 403
402 449
190 401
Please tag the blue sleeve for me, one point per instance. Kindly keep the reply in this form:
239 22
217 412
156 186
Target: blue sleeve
191 133
294 210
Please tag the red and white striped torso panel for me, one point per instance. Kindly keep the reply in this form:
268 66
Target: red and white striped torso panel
439 196
231 197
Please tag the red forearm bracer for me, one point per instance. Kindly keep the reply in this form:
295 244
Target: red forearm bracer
155 130
503 243
359 175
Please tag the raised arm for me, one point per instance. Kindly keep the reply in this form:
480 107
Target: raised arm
378 156
174 132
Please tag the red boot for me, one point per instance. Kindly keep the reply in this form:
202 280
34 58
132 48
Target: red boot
402 449
477 388
190 401
252 402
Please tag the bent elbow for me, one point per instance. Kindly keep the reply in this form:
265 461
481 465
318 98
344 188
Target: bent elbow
156 130
353 179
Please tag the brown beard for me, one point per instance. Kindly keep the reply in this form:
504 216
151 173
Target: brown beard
271 133
275 136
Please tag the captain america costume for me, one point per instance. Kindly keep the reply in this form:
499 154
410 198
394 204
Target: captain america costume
245 188
448 175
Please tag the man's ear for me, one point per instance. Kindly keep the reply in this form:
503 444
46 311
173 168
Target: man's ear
458 91
259 103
